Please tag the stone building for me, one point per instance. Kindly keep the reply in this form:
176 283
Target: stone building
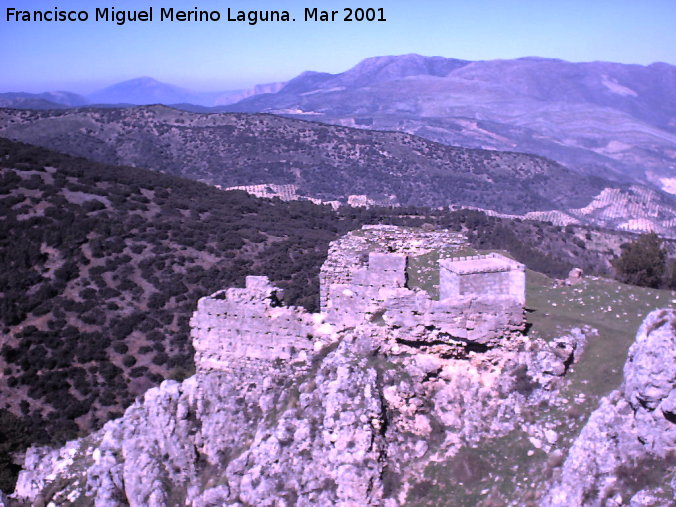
482 275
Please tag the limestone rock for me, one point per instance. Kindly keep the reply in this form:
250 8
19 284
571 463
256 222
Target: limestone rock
351 406
554 358
650 382
335 435
574 277
632 429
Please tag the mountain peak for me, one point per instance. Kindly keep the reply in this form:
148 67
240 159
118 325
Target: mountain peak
387 68
142 90
143 80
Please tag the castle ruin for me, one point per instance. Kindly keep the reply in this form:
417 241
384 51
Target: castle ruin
479 303
481 299
351 252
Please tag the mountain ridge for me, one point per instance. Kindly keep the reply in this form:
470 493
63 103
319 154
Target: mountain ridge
611 119
144 90
600 118
327 162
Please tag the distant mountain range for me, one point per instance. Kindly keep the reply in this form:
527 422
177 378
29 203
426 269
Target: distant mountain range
140 91
606 119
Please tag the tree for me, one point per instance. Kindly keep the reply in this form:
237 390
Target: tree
642 262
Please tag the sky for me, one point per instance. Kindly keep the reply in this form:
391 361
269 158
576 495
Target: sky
86 56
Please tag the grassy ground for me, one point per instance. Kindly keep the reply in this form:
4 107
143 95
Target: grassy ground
422 271
480 475
614 309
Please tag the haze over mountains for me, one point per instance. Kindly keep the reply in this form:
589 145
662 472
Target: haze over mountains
139 91
613 120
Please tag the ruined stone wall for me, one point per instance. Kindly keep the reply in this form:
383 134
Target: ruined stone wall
348 303
482 320
485 321
489 283
235 326
378 295
248 328
351 252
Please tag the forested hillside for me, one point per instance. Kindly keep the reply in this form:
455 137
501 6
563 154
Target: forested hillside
324 161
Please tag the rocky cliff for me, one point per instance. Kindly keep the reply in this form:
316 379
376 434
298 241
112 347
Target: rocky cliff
370 421
626 454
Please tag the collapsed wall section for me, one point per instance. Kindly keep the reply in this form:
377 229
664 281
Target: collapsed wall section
480 320
348 304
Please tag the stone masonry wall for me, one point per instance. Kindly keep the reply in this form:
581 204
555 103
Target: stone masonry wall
351 252
248 329
249 324
492 283
478 306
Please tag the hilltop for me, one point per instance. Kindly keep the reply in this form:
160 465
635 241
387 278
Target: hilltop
396 396
102 266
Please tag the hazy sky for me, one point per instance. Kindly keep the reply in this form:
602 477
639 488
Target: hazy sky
85 56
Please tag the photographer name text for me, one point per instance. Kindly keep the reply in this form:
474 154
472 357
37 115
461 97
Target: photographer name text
252 17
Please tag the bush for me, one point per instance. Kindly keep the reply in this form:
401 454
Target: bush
93 205
129 361
643 262
120 347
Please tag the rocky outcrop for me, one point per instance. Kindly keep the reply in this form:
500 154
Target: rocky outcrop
552 360
356 427
626 453
650 382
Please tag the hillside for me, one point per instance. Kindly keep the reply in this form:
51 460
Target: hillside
102 266
48 100
601 118
326 162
